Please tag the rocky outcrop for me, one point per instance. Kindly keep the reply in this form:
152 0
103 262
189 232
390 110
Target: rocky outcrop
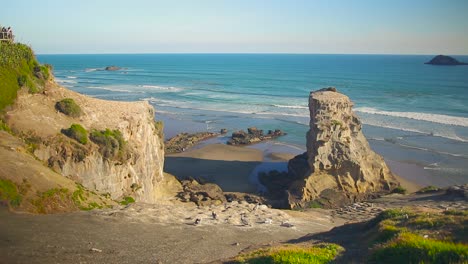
137 174
183 141
339 166
112 68
445 60
252 136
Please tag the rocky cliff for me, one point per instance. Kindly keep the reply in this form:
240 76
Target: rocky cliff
339 166
136 171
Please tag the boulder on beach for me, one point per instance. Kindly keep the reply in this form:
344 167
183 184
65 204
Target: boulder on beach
252 136
445 60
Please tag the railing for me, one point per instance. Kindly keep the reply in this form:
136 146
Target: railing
7 36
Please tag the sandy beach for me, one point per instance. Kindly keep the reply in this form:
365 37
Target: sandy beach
234 168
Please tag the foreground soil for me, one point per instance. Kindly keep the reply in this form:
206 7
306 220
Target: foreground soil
166 233
142 233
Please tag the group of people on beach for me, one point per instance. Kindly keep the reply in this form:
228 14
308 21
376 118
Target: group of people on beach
6 33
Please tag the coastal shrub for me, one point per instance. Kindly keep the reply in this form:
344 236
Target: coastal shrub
321 253
17 62
9 192
428 189
387 214
22 80
77 132
53 200
413 248
111 143
399 190
69 107
159 125
127 200
4 127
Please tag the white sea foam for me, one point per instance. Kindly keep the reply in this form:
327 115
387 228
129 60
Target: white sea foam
110 89
449 136
71 77
291 106
92 69
65 81
435 118
161 88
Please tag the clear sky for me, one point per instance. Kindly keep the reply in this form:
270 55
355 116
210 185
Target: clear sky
240 26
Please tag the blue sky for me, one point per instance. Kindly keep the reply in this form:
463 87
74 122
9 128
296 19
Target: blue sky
240 26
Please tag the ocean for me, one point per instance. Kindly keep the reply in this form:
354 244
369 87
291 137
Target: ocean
413 114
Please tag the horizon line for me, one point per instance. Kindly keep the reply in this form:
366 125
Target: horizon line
249 53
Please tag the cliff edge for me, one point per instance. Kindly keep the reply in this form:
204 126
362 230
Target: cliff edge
339 166
112 148
121 153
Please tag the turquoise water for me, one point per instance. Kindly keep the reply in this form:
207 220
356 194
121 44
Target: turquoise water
413 113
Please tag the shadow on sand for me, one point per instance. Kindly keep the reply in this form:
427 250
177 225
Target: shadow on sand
231 176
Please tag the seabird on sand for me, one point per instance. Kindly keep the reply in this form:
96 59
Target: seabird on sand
197 221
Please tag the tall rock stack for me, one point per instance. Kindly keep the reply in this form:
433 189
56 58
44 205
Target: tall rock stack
339 166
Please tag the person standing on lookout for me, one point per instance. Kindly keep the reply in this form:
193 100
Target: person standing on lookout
9 33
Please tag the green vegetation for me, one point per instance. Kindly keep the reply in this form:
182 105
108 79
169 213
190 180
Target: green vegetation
428 189
19 68
315 204
336 123
68 107
77 132
405 236
9 192
4 127
159 125
399 190
317 254
127 200
53 200
111 144
412 248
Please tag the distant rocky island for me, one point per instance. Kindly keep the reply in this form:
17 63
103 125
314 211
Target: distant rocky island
112 68
445 60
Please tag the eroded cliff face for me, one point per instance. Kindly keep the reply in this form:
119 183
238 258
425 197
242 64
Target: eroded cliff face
339 166
137 174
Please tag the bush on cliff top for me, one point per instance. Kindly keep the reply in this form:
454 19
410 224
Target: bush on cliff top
18 68
111 144
77 132
68 107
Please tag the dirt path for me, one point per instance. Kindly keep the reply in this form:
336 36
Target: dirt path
144 233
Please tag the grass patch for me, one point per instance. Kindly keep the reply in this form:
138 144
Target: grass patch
399 190
111 144
412 248
127 200
321 253
428 189
77 132
68 107
53 200
315 204
405 236
5 127
17 69
9 193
